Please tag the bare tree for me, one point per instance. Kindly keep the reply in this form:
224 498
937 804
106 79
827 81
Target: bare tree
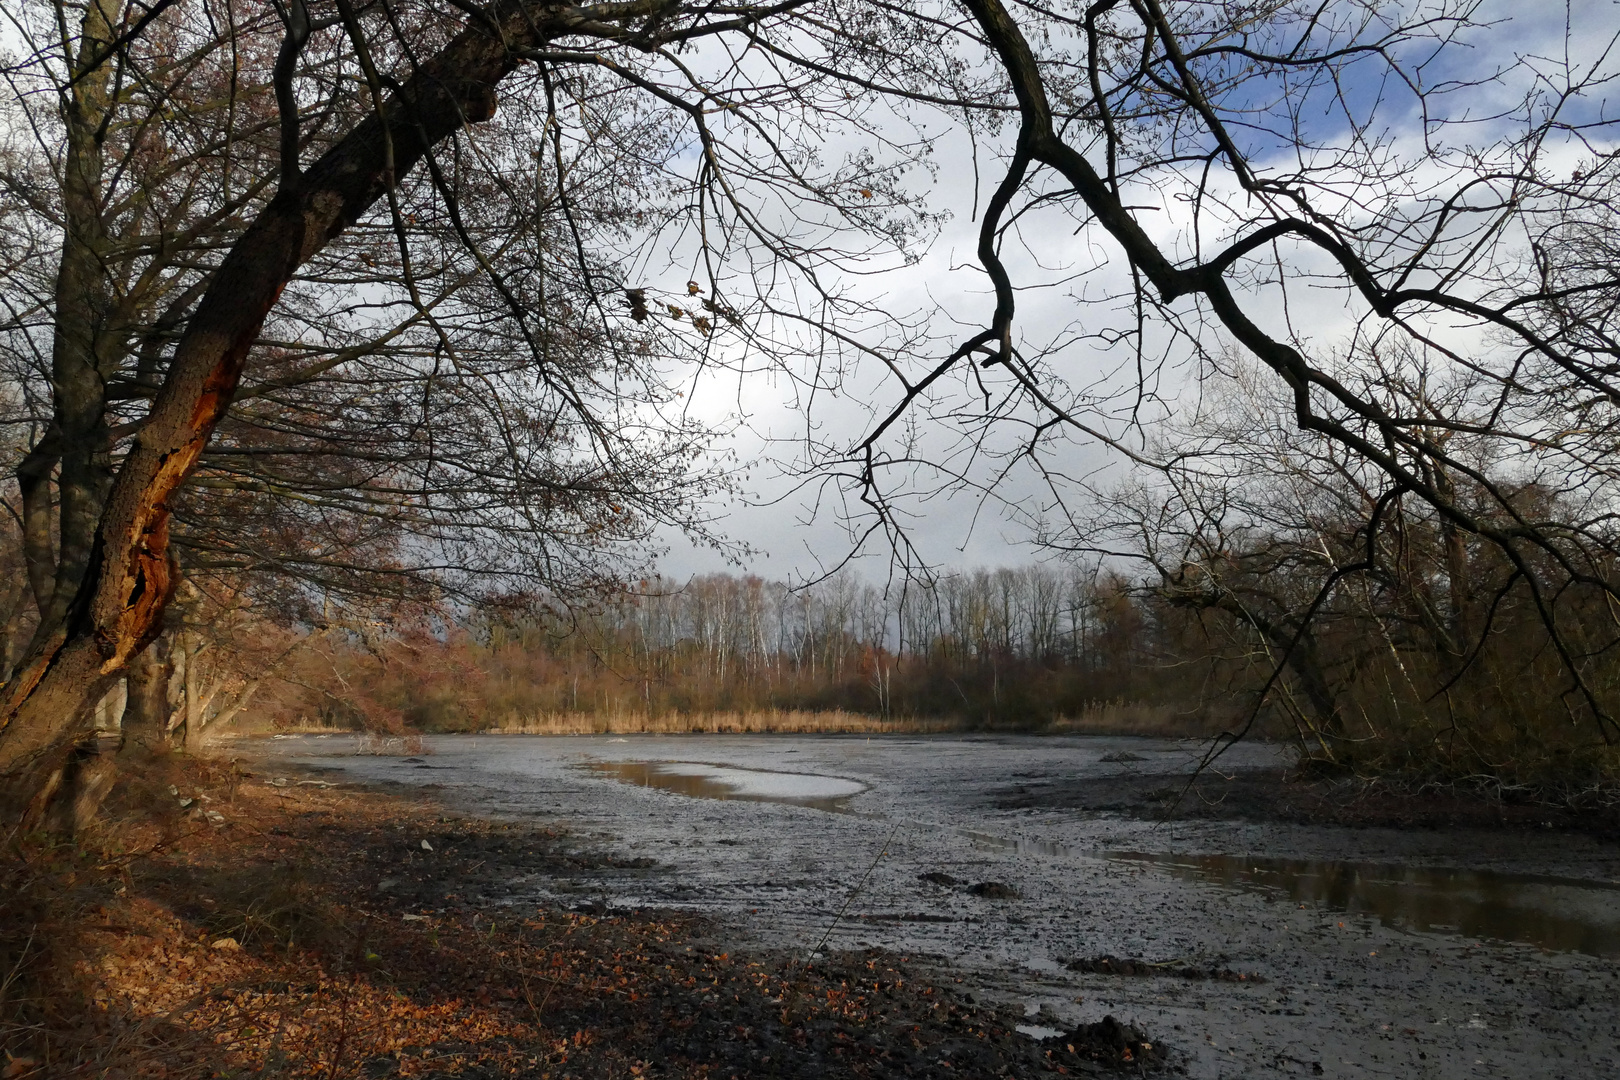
430 350
1231 172
655 185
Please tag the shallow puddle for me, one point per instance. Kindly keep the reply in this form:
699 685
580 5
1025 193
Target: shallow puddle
701 781
1562 914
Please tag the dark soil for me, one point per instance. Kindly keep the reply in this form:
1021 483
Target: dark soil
1293 796
994 890
1107 1044
305 931
1113 965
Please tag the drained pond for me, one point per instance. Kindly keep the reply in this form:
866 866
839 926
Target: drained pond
1256 946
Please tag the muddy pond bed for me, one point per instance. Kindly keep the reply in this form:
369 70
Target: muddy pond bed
1028 867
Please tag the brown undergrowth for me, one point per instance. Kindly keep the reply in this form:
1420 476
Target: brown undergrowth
219 924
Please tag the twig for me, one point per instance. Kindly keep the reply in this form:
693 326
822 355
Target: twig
850 899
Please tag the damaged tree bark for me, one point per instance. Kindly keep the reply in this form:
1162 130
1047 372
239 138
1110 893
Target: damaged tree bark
99 623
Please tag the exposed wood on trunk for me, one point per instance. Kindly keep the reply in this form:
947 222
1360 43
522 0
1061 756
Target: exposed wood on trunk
130 577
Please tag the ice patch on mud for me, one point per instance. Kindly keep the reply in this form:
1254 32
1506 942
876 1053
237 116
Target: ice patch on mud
703 781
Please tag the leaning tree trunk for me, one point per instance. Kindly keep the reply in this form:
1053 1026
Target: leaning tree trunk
130 575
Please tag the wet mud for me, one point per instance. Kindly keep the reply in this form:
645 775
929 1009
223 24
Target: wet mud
1109 1043
348 935
1279 794
1113 965
1375 946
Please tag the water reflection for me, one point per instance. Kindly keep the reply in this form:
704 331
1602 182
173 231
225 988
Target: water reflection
1562 914
831 793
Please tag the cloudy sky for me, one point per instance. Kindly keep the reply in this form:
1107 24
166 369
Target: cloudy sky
1072 279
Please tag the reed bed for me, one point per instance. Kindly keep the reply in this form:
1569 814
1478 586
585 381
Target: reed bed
1097 718
751 722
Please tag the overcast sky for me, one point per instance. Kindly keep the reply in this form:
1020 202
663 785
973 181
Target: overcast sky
795 535
795 528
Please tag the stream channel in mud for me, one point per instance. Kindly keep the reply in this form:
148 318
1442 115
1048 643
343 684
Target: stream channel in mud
1362 952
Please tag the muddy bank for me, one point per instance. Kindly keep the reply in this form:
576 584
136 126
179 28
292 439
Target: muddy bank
1281 794
1371 953
293 930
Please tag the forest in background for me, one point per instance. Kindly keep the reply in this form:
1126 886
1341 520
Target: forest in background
1373 685
1025 648
1255 600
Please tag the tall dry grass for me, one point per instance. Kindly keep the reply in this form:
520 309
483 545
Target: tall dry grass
1097 718
748 722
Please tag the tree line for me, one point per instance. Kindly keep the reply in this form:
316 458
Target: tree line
1012 647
